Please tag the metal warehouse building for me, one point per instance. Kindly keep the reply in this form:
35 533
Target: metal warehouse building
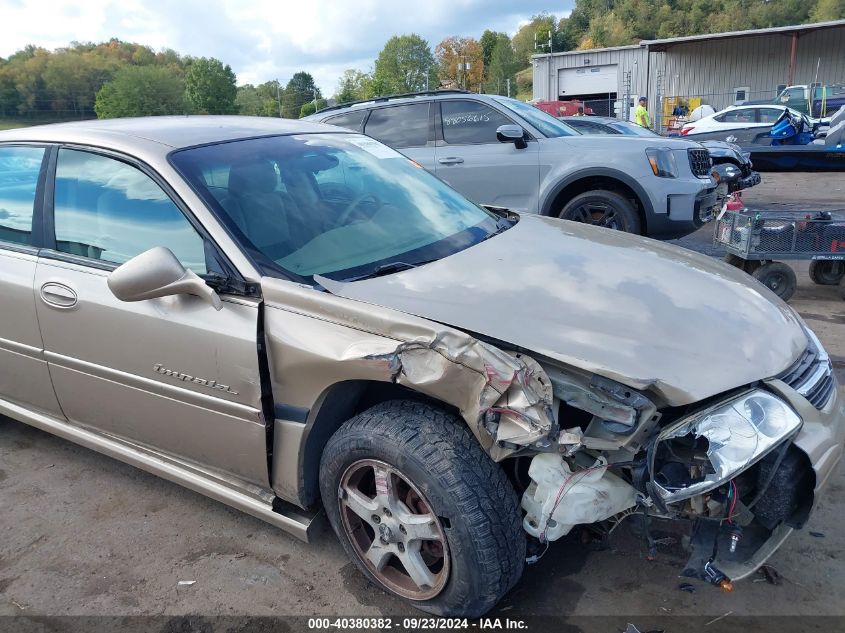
719 69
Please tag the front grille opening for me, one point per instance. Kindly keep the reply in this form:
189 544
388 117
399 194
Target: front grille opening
699 162
812 376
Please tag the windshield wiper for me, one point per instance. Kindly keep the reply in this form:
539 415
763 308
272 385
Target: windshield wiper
502 225
389 268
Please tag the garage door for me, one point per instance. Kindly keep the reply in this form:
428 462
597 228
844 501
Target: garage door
590 80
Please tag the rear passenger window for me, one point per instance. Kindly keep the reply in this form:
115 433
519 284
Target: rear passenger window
470 122
400 126
108 210
19 169
349 120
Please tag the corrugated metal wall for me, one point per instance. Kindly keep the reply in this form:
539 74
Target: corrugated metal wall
712 70
709 69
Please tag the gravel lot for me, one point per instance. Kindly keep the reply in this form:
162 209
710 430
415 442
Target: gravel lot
82 534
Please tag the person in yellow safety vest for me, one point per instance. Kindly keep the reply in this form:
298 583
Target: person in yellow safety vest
641 116
580 111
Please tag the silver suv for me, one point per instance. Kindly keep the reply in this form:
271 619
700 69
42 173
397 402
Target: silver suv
286 317
503 152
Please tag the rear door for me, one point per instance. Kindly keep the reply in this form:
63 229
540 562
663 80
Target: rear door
406 128
24 377
170 373
471 159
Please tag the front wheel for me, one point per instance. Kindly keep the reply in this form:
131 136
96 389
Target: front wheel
777 277
422 510
603 208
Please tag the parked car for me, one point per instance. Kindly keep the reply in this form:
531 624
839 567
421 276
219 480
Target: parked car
283 315
502 152
732 166
738 124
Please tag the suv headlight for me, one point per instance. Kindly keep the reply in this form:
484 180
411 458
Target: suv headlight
738 433
662 161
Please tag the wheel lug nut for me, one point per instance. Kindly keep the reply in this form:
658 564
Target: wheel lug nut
383 541
402 529
401 547
387 513
376 518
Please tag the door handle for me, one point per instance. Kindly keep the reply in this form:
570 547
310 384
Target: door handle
58 295
450 160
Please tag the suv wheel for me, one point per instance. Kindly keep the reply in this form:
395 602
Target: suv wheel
422 510
603 208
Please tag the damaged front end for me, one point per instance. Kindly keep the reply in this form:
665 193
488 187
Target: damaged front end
728 475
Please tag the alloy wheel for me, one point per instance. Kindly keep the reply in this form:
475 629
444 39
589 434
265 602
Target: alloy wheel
597 214
393 529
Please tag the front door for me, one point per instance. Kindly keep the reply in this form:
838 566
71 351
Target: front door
169 373
472 160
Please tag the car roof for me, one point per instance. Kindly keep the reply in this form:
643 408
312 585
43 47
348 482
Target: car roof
171 132
379 102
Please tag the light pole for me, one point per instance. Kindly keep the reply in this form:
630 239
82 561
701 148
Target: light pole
279 96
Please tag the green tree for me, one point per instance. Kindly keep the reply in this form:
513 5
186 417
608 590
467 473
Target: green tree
353 86
261 100
523 41
299 90
488 43
309 108
405 64
503 66
826 10
210 86
141 91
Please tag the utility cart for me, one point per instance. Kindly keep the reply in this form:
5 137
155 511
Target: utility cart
756 240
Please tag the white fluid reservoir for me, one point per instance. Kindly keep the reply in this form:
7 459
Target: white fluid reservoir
588 496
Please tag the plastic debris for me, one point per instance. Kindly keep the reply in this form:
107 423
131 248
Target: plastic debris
186 583
817 534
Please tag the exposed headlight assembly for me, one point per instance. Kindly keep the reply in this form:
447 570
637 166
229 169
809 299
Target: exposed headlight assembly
662 162
737 434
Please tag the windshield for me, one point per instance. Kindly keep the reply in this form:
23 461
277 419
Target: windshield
546 123
341 205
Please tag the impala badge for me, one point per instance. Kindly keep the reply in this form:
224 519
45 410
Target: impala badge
212 384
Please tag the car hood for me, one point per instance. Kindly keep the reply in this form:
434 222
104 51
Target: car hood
644 313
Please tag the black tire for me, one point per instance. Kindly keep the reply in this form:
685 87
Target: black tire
827 273
467 491
779 278
603 208
842 287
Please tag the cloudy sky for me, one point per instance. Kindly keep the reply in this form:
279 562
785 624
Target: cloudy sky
263 39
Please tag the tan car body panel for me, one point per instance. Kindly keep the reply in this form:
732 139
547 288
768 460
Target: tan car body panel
24 377
316 340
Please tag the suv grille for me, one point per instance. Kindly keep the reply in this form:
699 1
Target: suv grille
699 162
811 376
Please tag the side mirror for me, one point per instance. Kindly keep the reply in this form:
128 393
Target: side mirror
511 134
157 273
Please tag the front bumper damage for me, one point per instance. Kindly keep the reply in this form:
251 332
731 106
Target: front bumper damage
737 477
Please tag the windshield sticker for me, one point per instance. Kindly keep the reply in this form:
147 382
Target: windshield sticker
374 147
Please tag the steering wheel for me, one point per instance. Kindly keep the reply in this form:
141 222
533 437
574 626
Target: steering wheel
352 206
